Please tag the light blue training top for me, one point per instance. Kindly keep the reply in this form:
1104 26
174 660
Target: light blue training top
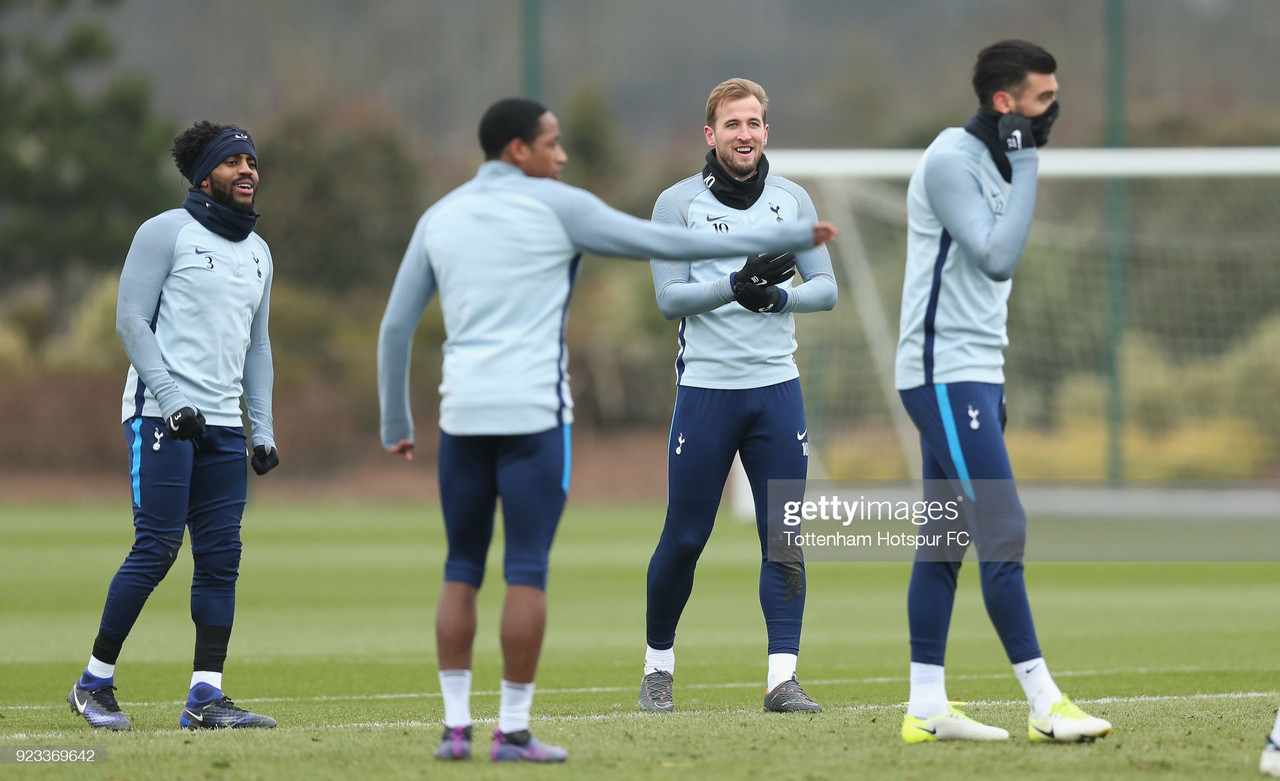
503 250
966 230
192 314
723 345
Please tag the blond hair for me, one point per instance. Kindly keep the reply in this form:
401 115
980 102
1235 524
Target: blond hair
735 89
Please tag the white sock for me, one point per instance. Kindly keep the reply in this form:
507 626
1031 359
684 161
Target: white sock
1038 684
1275 732
655 660
455 685
928 691
782 668
513 706
99 669
205 676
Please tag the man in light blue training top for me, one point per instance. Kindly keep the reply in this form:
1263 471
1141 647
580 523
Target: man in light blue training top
502 250
738 388
192 315
969 208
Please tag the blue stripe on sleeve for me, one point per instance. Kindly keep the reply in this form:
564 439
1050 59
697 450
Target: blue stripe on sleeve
953 439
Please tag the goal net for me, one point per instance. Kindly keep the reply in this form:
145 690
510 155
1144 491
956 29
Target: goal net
1144 322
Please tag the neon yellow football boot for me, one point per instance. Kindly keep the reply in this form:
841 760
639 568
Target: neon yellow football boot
952 725
1066 723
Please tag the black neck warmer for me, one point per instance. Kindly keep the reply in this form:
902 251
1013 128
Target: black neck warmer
731 192
982 126
222 220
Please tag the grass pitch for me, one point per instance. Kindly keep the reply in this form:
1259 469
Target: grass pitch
334 638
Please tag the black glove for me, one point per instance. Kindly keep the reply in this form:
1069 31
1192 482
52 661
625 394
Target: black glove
1014 132
186 423
264 460
759 299
768 268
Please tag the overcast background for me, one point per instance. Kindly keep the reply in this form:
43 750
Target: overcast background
839 73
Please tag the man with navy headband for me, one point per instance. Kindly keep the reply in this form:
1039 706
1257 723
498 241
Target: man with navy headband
192 315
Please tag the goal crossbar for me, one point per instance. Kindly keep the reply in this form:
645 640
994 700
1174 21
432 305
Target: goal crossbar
1138 163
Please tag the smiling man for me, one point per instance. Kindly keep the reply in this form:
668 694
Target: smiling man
192 316
738 388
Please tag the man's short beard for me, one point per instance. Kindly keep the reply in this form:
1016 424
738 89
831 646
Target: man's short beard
731 166
227 198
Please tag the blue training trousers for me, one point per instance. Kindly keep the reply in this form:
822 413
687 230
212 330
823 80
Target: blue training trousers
962 444
530 473
766 427
198 485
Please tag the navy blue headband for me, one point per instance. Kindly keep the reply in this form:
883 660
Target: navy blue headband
232 141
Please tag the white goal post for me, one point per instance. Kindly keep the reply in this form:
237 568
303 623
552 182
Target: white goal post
1186 198
1151 162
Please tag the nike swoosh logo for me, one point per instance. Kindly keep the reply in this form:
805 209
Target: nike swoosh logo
925 729
713 219
191 715
1031 669
80 706
203 251
1048 734
800 435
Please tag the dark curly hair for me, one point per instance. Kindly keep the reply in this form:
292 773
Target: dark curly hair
188 144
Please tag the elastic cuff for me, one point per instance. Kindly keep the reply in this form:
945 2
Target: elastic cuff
726 291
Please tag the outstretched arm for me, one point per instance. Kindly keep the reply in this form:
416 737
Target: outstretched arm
595 227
